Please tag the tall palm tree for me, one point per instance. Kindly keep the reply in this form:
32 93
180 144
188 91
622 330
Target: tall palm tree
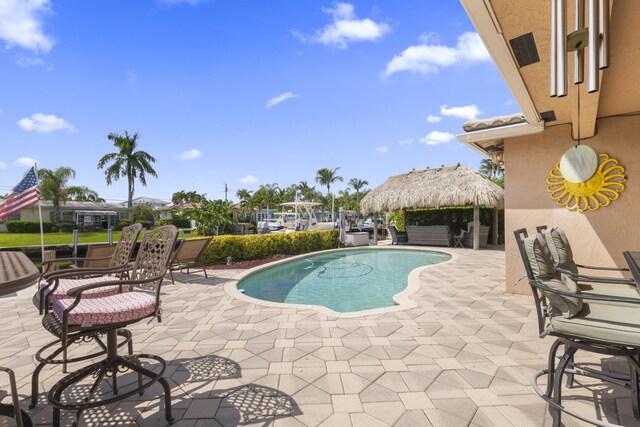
246 202
327 177
127 162
179 197
53 186
490 169
357 185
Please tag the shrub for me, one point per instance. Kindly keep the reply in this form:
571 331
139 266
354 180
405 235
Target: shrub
250 247
66 226
143 212
123 223
145 224
28 226
178 222
398 218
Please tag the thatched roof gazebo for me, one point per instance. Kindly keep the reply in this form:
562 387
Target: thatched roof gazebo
436 188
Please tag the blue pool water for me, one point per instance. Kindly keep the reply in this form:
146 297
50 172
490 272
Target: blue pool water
342 281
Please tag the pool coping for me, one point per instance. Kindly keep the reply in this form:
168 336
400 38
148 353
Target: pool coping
401 299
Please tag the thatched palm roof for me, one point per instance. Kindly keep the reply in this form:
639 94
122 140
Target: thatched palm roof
433 188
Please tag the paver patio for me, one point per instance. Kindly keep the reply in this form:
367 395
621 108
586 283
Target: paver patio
463 357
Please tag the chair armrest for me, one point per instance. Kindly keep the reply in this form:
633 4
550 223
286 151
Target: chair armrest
596 279
591 267
81 272
78 290
583 296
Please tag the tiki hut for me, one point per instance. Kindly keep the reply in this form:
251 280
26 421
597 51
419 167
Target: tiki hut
436 188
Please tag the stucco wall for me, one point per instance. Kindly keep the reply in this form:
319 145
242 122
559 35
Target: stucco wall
597 238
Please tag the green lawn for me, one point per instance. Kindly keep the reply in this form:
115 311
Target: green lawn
27 239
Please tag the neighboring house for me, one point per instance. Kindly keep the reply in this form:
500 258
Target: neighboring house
87 215
156 203
531 143
169 211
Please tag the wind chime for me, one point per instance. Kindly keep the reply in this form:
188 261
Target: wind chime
583 179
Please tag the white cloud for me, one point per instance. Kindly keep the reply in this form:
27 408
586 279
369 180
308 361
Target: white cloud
279 99
25 161
382 149
45 123
346 28
509 102
406 141
0 113
21 24
433 119
3 165
29 61
194 153
249 179
430 58
468 112
437 138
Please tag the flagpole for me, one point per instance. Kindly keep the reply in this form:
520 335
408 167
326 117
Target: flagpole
35 170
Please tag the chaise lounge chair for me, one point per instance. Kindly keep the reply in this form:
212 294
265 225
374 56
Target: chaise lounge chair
190 253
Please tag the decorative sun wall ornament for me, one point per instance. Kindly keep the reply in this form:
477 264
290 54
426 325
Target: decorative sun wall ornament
573 185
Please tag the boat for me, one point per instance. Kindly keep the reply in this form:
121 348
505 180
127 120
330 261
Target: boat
300 216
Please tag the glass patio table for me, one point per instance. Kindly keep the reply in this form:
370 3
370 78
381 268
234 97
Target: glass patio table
16 273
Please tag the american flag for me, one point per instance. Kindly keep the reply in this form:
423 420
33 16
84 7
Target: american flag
23 195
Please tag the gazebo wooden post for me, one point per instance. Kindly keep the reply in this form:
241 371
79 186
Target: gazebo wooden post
476 226
495 225
375 229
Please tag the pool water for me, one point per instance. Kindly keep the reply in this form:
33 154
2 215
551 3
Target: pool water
343 281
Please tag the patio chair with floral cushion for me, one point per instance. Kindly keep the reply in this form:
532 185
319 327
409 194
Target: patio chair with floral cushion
602 323
77 316
190 253
55 285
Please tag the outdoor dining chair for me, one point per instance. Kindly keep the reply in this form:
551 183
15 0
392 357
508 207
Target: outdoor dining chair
562 254
55 285
77 316
397 237
600 323
190 253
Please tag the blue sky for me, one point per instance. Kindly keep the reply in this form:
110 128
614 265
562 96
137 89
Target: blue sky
245 92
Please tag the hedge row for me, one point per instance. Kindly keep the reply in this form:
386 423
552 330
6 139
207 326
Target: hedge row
248 247
178 222
28 226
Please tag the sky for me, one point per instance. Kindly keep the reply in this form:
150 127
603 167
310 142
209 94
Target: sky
242 92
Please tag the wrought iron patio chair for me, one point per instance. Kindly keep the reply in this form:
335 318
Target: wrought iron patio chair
190 253
55 285
75 317
601 323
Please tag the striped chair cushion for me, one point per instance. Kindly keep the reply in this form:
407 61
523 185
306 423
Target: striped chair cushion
119 308
66 284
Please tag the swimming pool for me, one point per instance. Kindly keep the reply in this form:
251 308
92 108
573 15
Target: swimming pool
343 281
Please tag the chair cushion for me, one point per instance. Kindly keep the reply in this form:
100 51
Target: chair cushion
540 258
120 308
560 249
66 284
567 306
606 322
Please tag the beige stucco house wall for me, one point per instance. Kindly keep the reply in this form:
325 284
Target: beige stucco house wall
597 238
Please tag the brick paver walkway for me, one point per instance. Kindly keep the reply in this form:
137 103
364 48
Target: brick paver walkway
463 357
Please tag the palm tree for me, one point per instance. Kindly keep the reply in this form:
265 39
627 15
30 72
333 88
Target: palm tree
179 197
53 186
84 194
327 177
246 202
489 169
357 185
127 162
